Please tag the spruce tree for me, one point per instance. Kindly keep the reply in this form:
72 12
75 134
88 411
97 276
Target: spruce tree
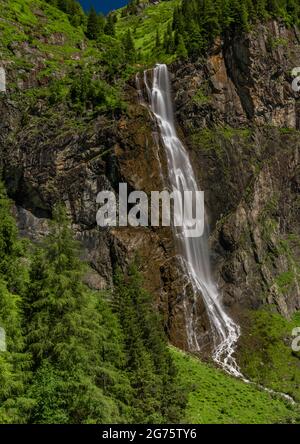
210 22
181 50
157 398
77 379
109 27
93 28
14 362
129 48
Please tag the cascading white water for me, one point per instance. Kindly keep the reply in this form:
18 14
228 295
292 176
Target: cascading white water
194 252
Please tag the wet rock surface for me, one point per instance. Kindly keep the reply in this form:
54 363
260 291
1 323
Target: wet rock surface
239 116
239 119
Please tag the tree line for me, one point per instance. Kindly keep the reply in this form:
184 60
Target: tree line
94 24
194 26
196 23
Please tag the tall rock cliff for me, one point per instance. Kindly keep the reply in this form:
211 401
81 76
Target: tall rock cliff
239 118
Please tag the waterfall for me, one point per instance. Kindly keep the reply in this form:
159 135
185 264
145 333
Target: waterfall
193 252
2 80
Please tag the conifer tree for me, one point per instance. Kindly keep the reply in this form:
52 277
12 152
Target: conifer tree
199 22
152 372
169 39
181 50
261 9
129 47
109 27
65 335
93 28
14 363
210 20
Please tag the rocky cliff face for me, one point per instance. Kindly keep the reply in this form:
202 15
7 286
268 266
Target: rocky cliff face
239 118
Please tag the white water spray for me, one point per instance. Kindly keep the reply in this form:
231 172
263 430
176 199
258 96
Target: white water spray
194 252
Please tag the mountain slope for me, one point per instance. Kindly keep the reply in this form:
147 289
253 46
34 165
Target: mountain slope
216 398
40 31
71 125
144 26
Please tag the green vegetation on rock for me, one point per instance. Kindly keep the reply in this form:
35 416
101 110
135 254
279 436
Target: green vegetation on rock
200 22
145 26
266 353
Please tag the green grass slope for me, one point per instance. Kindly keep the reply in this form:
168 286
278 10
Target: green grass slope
266 353
144 27
217 398
47 59
42 27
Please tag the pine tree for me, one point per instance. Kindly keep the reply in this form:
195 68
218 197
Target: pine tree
244 17
210 21
199 22
261 10
129 48
181 50
14 363
293 11
109 27
152 372
169 39
74 382
93 28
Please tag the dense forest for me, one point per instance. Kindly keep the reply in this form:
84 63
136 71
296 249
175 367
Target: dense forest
198 23
75 356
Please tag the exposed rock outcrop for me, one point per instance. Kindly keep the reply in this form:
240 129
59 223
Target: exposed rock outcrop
239 118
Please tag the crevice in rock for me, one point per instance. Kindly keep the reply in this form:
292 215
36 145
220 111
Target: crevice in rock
237 61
